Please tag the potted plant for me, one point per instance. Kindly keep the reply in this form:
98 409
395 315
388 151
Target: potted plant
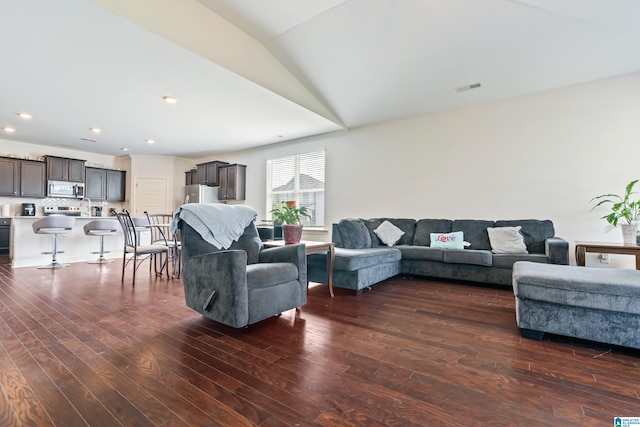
291 218
624 211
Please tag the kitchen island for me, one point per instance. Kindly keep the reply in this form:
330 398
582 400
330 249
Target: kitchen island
27 247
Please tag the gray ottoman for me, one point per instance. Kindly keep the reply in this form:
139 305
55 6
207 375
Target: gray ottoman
597 304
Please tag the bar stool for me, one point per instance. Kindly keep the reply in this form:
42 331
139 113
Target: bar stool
54 225
101 228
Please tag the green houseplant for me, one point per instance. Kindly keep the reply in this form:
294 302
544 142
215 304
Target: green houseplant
624 211
290 215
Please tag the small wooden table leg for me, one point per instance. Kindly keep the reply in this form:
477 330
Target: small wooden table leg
580 255
331 259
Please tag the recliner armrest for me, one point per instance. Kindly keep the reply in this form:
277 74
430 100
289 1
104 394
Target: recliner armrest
225 273
557 250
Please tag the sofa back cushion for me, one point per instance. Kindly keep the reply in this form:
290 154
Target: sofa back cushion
353 234
424 228
475 232
534 231
408 226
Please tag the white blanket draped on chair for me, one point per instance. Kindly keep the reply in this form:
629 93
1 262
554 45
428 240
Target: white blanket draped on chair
218 224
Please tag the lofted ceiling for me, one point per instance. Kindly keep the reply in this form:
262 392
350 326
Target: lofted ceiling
248 73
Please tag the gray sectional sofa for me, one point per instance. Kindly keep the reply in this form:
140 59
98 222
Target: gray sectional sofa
362 259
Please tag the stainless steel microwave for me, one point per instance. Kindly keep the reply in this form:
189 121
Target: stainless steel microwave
65 189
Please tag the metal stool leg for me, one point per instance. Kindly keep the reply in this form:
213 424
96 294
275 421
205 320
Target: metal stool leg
54 255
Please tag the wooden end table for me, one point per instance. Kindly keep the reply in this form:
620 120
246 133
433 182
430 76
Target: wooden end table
313 247
605 248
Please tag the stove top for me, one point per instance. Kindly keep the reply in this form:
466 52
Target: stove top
62 210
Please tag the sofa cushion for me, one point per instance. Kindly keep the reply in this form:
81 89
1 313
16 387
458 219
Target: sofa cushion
424 228
468 256
388 233
267 274
354 233
453 240
534 231
421 253
475 232
355 259
507 260
506 240
408 226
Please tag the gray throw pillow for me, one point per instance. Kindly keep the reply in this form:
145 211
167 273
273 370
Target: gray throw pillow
355 235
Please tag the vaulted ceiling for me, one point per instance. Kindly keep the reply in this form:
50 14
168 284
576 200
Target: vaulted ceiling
247 73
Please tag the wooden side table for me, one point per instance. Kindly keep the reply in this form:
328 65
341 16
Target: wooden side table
605 248
313 247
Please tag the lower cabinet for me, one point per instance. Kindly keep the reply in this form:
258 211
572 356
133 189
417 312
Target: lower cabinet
105 184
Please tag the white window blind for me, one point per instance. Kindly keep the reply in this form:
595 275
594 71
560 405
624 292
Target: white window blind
301 179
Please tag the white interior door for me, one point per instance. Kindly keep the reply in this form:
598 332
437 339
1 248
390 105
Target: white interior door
151 196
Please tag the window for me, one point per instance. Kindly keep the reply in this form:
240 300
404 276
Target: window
299 178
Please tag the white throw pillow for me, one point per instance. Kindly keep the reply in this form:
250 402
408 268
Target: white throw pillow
388 233
453 240
507 240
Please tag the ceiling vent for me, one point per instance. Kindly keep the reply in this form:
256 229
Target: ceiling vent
468 87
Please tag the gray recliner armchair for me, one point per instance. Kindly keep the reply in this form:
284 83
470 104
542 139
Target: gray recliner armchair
245 283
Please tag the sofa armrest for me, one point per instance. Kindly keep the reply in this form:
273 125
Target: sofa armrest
557 250
295 254
225 273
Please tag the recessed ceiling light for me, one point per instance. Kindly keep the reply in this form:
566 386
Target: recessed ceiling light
124 149
150 141
170 99
25 116
95 130
9 130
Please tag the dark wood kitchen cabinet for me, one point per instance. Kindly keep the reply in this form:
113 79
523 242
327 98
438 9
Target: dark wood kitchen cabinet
208 173
32 178
9 177
22 178
63 169
116 185
105 184
191 177
233 180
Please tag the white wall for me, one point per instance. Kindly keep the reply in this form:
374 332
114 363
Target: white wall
539 156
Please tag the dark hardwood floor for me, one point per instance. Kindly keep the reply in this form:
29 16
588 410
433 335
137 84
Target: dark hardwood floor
77 348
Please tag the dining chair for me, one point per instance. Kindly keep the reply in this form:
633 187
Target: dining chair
161 235
136 251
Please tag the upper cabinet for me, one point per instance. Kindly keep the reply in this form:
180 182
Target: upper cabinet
105 184
116 181
32 180
233 180
63 169
9 177
22 178
191 177
208 173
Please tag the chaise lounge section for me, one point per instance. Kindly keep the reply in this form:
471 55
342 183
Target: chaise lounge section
363 259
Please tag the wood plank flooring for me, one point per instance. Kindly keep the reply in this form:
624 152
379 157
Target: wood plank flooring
77 348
